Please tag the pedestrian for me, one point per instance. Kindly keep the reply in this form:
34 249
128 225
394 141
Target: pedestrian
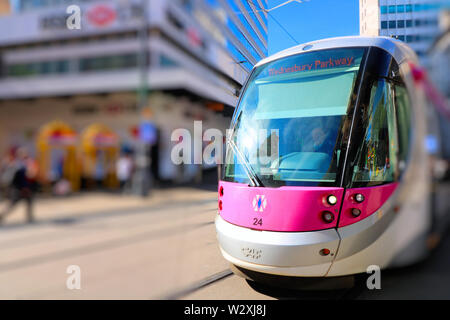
124 169
23 183
7 171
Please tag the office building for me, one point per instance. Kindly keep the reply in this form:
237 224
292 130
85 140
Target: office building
58 82
412 21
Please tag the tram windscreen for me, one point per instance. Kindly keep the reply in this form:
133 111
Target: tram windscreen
289 123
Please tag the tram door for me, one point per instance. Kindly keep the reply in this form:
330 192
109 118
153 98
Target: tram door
57 157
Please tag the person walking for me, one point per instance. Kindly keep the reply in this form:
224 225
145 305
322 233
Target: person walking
7 171
23 183
124 169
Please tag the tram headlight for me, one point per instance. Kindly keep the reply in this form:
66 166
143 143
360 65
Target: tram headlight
359 197
331 200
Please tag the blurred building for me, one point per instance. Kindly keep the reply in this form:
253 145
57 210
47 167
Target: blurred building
61 86
369 17
439 54
439 72
5 7
412 21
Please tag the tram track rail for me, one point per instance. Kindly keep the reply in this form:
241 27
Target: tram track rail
205 282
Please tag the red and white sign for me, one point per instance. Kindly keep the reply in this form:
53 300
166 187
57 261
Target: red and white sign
101 15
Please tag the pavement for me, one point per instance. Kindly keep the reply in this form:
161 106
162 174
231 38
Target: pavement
126 247
160 247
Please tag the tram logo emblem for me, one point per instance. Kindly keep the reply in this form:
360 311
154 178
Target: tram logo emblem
259 203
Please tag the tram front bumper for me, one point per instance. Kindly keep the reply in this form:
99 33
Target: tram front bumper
280 253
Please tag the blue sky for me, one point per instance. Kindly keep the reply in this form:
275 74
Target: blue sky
312 20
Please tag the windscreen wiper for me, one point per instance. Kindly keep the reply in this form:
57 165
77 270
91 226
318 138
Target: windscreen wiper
249 171
254 179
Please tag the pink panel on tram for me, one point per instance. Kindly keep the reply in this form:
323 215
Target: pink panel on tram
374 198
278 209
296 209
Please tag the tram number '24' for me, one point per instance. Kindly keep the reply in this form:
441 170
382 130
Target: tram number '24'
257 222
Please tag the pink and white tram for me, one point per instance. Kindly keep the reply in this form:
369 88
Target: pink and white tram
328 164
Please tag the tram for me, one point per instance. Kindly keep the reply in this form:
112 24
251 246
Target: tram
330 163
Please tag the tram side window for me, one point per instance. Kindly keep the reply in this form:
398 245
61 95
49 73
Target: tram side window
403 108
376 159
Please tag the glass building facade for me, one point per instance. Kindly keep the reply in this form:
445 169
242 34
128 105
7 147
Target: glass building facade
245 28
412 21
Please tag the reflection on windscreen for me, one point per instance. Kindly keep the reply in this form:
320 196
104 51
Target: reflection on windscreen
290 149
289 119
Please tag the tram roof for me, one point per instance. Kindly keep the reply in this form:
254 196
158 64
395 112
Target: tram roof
398 49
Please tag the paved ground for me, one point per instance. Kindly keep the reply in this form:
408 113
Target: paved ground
125 247
163 247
